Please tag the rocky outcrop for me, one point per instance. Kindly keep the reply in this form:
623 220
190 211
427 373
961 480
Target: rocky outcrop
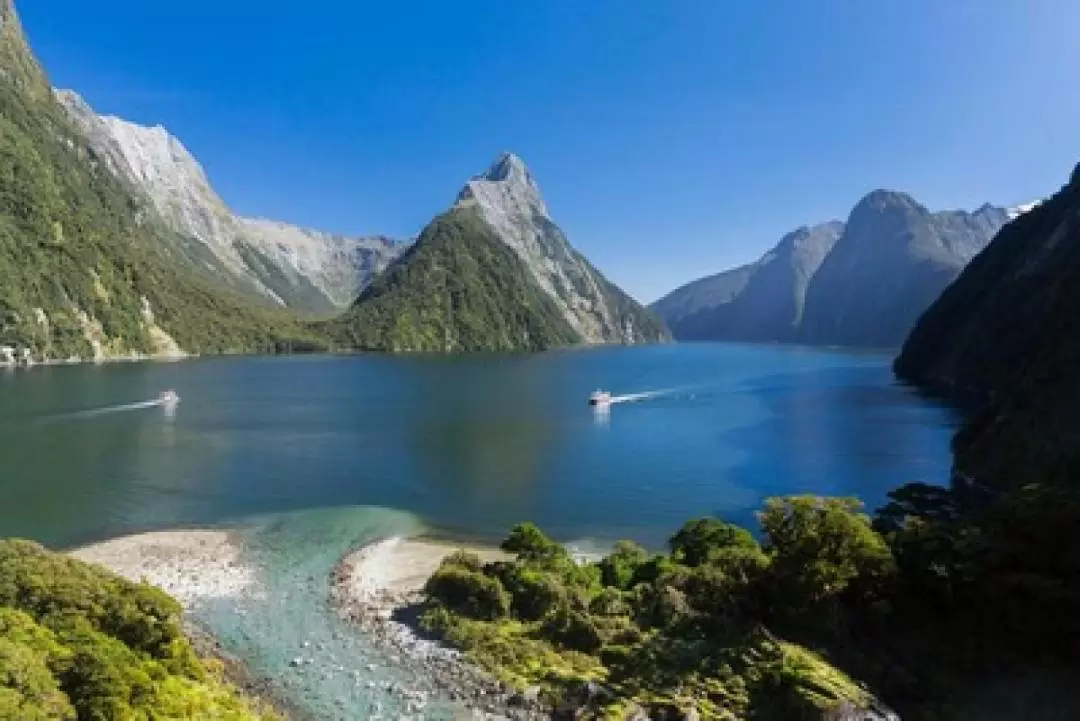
303 269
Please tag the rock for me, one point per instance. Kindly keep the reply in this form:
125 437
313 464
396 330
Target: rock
873 711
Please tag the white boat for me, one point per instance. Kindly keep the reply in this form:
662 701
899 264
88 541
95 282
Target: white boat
168 398
600 398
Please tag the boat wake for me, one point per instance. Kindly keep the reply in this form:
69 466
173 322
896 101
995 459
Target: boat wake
165 403
644 395
116 409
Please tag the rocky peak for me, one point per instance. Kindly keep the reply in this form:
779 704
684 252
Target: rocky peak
507 187
508 199
885 202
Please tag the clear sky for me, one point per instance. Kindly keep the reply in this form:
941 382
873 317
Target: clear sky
671 138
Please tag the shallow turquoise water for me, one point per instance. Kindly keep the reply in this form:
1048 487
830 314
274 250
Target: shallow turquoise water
312 456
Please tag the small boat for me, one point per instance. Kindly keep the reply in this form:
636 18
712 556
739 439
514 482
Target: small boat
600 398
168 398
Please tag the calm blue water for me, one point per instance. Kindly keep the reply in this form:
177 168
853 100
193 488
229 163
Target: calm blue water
470 444
313 456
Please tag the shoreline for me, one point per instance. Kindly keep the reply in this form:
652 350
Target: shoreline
192 565
378 588
373 589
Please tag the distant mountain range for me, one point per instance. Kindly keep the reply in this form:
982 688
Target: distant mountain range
494 273
857 283
306 270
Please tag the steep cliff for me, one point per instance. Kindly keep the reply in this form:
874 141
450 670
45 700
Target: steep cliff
86 268
1002 340
303 269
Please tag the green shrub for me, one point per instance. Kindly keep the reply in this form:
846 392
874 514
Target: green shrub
469 592
620 566
78 641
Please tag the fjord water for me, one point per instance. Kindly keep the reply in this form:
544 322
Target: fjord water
309 457
470 444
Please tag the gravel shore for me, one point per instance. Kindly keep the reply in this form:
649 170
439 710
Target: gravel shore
378 588
190 566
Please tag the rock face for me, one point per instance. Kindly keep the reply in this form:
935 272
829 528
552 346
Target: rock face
763 301
494 273
859 283
1003 341
87 268
303 269
509 200
893 260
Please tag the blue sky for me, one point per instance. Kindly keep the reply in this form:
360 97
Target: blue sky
671 138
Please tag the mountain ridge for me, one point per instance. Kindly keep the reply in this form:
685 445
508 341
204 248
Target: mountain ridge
87 271
859 282
306 270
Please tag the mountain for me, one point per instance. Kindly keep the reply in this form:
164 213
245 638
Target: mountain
87 269
763 301
893 260
859 283
494 273
302 269
1003 341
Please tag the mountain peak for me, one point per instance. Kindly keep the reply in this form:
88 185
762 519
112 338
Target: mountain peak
506 187
507 166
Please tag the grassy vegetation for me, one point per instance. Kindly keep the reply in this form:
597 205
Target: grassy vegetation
77 642
928 605
74 239
457 289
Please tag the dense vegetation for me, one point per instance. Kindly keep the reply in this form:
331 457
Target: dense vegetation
459 288
74 241
923 604
77 642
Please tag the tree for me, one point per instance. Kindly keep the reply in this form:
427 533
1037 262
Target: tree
818 546
529 543
698 539
617 569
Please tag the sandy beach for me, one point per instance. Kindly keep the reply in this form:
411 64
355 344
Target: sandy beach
191 566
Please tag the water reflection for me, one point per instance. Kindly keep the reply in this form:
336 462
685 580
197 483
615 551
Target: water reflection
475 443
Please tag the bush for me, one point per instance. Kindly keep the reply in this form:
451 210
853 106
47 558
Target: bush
818 546
701 538
468 592
529 543
618 568
465 559
535 593
574 630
